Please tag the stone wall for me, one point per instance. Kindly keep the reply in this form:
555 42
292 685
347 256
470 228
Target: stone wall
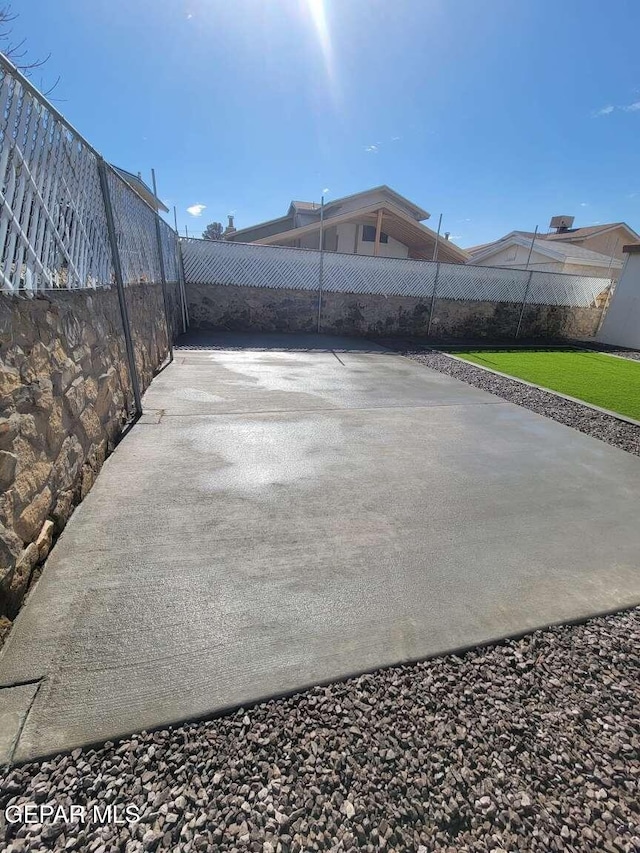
65 392
235 308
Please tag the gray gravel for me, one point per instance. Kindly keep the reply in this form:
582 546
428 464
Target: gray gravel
528 745
597 424
633 354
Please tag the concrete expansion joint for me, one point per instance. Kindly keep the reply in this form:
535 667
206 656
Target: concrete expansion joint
14 719
24 683
151 417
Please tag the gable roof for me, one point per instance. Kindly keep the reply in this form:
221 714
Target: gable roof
409 231
331 208
304 205
417 212
557 251
563 236
590 231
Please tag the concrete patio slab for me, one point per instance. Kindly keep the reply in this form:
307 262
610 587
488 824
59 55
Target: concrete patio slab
299 516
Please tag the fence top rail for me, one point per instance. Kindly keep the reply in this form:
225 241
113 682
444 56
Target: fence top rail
10 68
351 255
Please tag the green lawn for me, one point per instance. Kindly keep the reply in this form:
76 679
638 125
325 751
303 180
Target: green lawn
604 380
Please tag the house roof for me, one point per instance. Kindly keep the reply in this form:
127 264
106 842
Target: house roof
418 237
238 231
564 236
418 212
568 253
305 205
144 191
331 208
578 253
589 231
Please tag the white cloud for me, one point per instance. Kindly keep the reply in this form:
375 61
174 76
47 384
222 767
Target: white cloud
196 209
396 138
605 111
371 149
584 204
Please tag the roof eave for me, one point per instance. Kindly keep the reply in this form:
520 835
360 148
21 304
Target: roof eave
419 212
293 234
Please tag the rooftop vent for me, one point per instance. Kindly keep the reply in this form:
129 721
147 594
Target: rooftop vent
561 223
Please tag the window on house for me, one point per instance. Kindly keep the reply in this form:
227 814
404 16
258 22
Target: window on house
369 234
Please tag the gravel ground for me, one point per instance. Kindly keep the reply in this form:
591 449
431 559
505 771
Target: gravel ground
633 354
531 744
597 424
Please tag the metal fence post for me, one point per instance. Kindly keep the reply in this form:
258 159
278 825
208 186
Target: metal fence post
433 298
181 282
117 268
163 277
182 285
524 303
321 270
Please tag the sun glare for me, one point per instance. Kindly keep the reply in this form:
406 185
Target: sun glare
319 18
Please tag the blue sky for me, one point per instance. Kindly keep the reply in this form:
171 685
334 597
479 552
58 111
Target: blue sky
497 114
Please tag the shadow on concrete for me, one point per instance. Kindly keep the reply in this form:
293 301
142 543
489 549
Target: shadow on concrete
265 341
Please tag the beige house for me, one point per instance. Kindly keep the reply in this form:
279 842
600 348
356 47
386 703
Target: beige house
377 222
595 250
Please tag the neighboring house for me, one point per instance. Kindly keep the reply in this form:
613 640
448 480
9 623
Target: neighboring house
145 192
595 250
374 222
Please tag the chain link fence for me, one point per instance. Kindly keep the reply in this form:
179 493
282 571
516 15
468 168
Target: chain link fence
217 262
68 220
53 224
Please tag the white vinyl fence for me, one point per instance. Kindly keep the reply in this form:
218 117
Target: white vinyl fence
251 265
53 224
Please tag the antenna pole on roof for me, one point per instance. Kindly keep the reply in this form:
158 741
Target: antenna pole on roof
535 234
435 248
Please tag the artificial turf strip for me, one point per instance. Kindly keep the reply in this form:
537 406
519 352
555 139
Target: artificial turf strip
603 380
